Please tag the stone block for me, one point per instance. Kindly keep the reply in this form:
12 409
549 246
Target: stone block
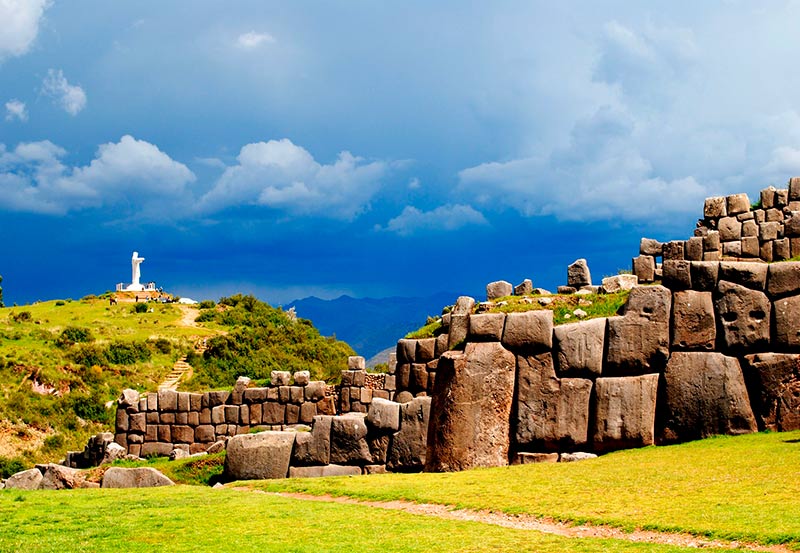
152 417
774 383
783 279
712 256
356 363
280 378
349 440
218 398
528 330
649 302
403 376
296 394
715 207
704 395
618 283
384 415
693 249
737 203
308 411
366 393
167 418
486 327
781 249
273 412
525 458
418 380
524 288
441 345
694 326
137 423
744 316
231 414
704 275
768 197
292 413
347 378
781 198
183 401
182 434
302 378
732 249
163 433
552 412
677 274
426 350
578 274
625 412
255 395
408 447
499 289
259 456
29 479
167 400
750 229
730 229
578 347
314 448
315 390
284 394
181 418
636 345
773 216
749 274
770 230
711 241
407 351
787 322
273 393
673 250
791 226
750 247
158 449
644 267
650 247
204 433
473 396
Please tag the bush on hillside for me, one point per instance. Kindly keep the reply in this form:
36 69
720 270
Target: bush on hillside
22 317
263 339
127 353
206 304
10 466
73 335
139 308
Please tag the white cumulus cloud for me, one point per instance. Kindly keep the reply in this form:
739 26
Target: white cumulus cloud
444 218
283 176
252 39
129 172
70 97
19 25
16 110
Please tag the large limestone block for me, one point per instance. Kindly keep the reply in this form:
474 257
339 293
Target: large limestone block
524 288
529 330
704 275
139 477
636 345
749 274
650 302
730 229
259 456
498 289
29 479
463 306
625 412
650 247
578 274
644 267
783 278
704 395
167 400
694 326
744 315
487 326
459 326
552 412
672 250
471 409
128 398
384 414
774 380
715 207
787 323
314 448
59 477
578 347
677 274
618 283
406 350
738 203
349 440
319 472
409 444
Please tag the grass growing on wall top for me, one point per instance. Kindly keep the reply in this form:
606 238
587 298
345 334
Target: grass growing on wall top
743 487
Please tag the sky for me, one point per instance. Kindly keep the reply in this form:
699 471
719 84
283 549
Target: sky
375 149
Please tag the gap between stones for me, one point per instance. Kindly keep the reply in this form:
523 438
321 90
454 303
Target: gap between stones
537 524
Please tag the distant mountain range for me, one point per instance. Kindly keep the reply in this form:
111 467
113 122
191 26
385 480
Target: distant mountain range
370 325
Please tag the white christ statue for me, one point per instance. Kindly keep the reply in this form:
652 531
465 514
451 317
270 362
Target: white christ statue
137 272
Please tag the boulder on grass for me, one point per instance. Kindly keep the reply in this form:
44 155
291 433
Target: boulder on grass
138 477
29 479
59 477
259 456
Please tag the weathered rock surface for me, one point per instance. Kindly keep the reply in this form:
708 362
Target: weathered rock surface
636 345
529 330
704 395
694 325
578 347
327 470
750 275
744 315
349 440
139 477
487 326
59 477
787 322
259 456
625 412
774 380
618 283
314 448
499 289
384 414
409 445
29 479
578 274
783 278
471 409
552 412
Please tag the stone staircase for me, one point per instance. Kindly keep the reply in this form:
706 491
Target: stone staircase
181 369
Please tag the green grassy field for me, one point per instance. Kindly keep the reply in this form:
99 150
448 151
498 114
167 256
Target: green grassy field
186 518
745 487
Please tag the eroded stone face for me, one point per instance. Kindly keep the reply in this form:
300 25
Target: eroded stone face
578 347
625 412
744 316
694 325
787 322
774 380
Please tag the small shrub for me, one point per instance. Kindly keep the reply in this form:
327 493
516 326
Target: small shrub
89 407
22 317
139 308
89 355
9 466
74 335
206 304
162 345
127 353
206 316
89 297
59 303
53 443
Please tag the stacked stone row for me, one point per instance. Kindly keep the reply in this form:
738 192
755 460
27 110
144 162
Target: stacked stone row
358 388
731 229
389 436
158 422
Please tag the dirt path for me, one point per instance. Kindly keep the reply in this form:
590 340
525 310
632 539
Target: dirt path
548 526
188 316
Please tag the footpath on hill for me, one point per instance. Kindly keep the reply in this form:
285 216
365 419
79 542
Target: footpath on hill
538 524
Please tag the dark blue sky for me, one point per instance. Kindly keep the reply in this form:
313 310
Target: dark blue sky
373 148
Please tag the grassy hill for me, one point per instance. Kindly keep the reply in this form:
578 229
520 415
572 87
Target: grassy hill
742 488
64 362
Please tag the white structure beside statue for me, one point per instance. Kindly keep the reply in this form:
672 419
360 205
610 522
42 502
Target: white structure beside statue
136 275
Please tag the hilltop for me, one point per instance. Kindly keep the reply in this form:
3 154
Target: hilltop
64 362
